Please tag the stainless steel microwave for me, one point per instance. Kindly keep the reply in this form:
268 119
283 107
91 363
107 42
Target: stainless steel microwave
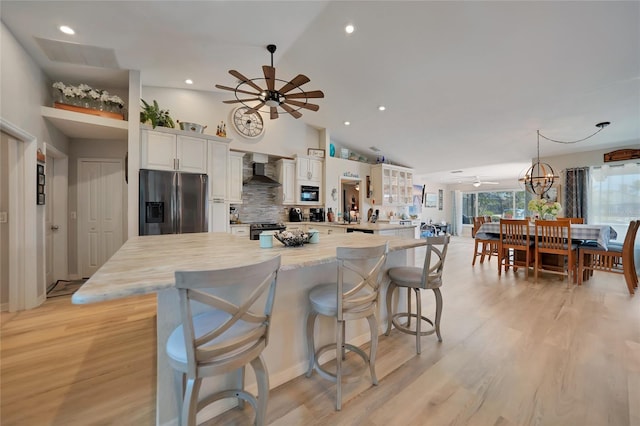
309 193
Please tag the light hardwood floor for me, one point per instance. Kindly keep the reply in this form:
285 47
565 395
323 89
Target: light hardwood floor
515 352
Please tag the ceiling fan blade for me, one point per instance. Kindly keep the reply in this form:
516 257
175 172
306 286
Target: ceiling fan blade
270 76
235 101
490 183
299 80
219 86
244 79
254 109
293 112
274 113
308 95
312 107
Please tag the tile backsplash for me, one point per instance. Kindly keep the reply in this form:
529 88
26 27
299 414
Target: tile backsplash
261 204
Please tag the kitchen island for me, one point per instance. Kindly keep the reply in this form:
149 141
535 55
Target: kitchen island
146 264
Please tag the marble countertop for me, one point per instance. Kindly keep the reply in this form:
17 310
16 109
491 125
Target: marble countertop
146 264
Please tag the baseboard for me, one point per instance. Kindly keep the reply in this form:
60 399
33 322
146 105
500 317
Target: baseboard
4 307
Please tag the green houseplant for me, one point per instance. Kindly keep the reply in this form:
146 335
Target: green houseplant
154 115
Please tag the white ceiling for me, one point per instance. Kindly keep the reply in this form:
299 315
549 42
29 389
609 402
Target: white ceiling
466 84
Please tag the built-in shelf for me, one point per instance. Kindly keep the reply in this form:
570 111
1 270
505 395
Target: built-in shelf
85 126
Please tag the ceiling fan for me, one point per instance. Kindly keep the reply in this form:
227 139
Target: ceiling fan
477 182
289 97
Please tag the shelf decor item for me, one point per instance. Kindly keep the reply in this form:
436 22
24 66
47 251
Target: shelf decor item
87 100
152 114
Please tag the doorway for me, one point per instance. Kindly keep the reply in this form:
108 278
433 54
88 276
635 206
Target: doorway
56 223
351 200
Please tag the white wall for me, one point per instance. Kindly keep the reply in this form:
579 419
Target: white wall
583 159
284 136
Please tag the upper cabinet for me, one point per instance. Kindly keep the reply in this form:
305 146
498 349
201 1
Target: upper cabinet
392 185
167 151
217 165
309 169
287 177
235 177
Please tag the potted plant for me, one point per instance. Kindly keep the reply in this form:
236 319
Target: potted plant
155 116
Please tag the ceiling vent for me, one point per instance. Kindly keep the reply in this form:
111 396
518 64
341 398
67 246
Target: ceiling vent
79 54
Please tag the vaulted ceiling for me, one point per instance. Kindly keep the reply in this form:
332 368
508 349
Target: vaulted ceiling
465 84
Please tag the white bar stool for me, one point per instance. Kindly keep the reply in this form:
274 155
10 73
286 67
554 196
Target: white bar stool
429 277
227 337
345 300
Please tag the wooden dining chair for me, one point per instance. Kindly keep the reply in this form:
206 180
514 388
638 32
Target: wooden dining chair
553 237
482 246
514 239
615 259
576 220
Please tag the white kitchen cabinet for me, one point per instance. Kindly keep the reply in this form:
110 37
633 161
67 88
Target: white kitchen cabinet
217 164
242 230
287 177
392 185
309 169
218 216
330 229
167 151
234 177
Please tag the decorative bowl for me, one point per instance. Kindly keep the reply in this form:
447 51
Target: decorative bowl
292 238
192 127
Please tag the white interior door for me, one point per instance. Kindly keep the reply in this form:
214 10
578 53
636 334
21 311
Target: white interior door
100 214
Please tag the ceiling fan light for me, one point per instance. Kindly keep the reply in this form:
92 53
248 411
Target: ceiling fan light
476 184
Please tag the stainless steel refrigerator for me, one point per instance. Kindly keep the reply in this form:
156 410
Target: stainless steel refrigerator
172 202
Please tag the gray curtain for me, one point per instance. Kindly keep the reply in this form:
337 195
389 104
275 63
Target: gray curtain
576 192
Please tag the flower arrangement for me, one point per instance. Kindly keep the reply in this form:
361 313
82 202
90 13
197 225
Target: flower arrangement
544 208
85 95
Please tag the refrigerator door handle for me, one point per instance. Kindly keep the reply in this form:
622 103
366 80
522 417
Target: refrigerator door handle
178 226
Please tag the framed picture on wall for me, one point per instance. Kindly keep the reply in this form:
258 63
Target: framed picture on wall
431 200
440 199
40 178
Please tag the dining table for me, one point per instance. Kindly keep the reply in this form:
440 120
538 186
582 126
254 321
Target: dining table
601 234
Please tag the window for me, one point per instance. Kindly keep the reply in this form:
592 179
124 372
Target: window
497 204
614 196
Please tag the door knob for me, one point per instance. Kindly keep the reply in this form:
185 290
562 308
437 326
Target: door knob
55 227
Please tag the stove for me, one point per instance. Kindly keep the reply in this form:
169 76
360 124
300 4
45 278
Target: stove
256 228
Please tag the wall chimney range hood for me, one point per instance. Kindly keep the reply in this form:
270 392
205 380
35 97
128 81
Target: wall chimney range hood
259 177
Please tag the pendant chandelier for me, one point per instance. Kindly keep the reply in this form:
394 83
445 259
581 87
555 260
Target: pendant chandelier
539 178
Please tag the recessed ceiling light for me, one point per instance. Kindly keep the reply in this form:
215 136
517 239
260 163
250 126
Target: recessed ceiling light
381 108
67 30
349 29
188 81
347 123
